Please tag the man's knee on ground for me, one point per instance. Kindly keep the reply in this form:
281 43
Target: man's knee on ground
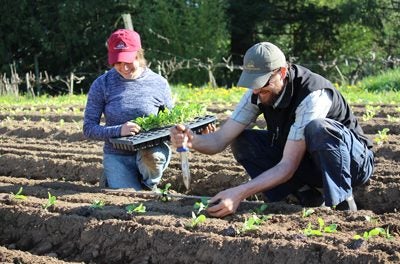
153 160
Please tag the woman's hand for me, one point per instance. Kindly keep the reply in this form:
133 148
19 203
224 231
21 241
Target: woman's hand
210 128
130 129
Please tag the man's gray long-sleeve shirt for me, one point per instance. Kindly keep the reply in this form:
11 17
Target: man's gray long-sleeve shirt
122 100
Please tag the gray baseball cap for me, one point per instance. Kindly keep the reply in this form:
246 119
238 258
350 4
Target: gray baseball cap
258 64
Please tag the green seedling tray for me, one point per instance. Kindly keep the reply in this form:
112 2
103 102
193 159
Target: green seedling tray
157 136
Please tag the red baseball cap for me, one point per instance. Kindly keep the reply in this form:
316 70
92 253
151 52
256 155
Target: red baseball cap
123 45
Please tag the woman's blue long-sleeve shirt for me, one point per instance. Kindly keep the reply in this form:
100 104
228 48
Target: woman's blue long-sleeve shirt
122 100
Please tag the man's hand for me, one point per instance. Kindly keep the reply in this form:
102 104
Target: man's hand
180 135
229 201
130 129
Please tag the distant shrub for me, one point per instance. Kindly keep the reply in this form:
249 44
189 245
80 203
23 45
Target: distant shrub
387 81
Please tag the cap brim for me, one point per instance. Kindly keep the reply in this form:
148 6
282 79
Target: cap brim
126 56
253 80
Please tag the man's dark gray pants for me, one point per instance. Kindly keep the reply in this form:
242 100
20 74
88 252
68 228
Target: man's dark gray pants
336 160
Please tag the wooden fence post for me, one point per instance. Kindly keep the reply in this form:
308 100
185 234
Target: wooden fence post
127 21
37 77
71 85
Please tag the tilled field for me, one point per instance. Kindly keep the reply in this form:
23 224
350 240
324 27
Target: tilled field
43 150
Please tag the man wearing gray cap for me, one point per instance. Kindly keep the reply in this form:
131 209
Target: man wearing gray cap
313 147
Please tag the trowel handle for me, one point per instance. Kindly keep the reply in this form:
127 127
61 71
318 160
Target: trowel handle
182 149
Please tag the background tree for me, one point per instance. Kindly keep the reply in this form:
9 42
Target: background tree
60 36
186 34
188 40
342 39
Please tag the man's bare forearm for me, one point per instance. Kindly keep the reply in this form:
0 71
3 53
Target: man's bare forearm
213 143
208 144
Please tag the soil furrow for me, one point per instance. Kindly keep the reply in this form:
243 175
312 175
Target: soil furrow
42 168
83 157
50 146
43 233
18 256
41 117
44 154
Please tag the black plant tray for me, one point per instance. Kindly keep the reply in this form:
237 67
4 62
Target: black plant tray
157 136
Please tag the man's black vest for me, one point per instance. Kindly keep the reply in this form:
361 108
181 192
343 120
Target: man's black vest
301 82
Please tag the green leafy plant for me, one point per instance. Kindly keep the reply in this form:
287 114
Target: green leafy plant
377 231
134 208
164 192
256 219
201 206
307 212
382 136
371 219
393 119
260 210
310 231
370 112
252 223
51 201
179 114
98 204
19 195
196 220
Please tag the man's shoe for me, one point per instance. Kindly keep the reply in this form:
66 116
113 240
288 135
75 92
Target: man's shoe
310 198
347 205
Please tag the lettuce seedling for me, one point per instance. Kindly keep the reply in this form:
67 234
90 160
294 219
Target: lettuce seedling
19 194
196 220
260 210
307 212
309 231
256 219
98 204
377 231
179 114
382 136
202 205
387 234
253 222
164 192
249 224
51 201
370 112
393 119
371 219
132 208
332 228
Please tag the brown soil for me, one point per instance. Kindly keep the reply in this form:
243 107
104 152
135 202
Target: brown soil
44 151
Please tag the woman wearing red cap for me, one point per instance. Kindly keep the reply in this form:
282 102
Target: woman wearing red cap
127 91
